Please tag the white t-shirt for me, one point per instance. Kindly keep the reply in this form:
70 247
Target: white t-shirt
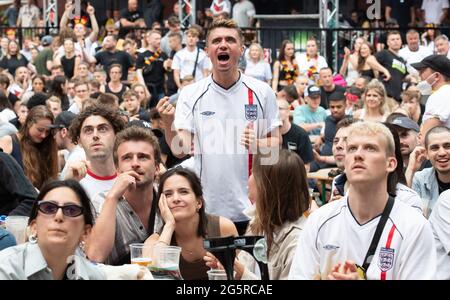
77 154
440 224
261 70
184 60
242 11
304 64
8 114
433 10
438 107
414 57
94 184
217 117
406 248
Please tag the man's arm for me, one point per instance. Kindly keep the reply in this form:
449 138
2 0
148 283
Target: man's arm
95 29
179 141
102 238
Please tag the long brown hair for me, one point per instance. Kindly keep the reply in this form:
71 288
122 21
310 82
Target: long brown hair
362 60
282 193
40 161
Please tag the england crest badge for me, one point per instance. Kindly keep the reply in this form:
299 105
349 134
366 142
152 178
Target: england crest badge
251 112
386 259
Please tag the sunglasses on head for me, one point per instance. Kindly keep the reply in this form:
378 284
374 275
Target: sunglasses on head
51 208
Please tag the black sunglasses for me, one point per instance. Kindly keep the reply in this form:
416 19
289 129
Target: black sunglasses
69 210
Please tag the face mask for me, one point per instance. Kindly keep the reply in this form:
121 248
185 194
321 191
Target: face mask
426 88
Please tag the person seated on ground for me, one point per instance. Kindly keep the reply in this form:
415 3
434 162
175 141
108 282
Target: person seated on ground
408 131
133 107
182 208
60 222
281 206
290 93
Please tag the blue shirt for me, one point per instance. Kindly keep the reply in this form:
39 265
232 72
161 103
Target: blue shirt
6 239
304 115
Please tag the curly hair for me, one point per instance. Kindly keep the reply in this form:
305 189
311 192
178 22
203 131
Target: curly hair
96 110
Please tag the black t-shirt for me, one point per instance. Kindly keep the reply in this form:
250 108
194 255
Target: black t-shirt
297 140
156 76
11 64
172 160
397 67
172 87
329 134
443 186
401 11
324 95
131 16
106 59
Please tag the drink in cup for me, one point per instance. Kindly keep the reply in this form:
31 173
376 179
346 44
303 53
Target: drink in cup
140 254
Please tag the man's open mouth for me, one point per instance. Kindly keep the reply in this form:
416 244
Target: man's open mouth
223 57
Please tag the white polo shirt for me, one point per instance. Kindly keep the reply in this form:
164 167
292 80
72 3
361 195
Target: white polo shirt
217 117
332 235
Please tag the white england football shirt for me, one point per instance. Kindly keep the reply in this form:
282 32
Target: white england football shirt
332 235
217 117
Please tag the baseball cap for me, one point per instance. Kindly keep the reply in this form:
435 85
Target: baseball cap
312 91
144 124
439 63
406 123
63 120
46 40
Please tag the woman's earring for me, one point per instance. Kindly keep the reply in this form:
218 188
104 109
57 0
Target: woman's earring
33 239
82 246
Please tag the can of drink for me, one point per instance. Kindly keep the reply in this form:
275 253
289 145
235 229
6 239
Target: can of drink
3 222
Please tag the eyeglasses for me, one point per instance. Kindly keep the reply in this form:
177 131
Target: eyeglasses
51 208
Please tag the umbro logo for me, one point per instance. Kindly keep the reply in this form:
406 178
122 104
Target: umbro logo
208 113
330 247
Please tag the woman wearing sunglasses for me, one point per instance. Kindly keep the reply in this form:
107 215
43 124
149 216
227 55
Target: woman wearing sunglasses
60 222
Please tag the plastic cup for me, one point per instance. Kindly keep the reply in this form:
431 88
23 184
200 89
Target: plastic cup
17 225
140 254
166 261
217 274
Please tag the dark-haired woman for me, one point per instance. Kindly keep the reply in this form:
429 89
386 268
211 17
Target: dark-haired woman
60 222
182 207
33 147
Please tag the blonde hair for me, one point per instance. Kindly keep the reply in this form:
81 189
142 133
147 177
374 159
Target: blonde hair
260 49
370 128
378 87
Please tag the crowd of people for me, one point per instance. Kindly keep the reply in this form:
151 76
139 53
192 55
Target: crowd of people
170 139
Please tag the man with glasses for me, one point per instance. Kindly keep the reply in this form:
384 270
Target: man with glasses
95 130
128 209
367 234
81 95
64 141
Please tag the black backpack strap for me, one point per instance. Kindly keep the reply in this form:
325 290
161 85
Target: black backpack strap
378 232
196 62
